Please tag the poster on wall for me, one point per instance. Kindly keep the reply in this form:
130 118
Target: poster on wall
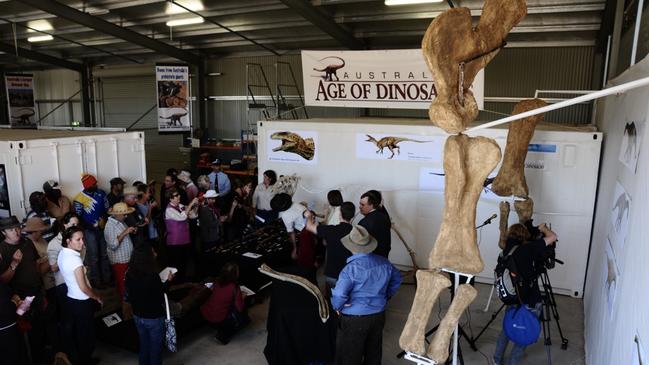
293 147
630 147
619 217
172 83
611 278
5 210
393 79
20 96
398 147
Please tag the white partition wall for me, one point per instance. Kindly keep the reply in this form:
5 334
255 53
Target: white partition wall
561 174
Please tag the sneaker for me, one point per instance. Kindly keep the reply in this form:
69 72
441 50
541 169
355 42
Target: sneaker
223 340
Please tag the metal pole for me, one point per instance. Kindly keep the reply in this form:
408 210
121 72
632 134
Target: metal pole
636 31
596 95
58 106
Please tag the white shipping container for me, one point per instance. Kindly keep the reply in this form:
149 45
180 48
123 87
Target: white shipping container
28 158
561 171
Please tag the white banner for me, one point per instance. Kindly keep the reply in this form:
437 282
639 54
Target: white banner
398 147
293 147
173 98
20 95
392 79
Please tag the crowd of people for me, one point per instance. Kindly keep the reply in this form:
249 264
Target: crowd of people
68 251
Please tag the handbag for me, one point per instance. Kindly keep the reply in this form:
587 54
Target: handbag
170 329
521 325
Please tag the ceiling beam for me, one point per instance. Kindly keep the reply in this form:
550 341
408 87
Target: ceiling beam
100 25
325 23
40 57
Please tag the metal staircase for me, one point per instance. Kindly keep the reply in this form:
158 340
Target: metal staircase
284 71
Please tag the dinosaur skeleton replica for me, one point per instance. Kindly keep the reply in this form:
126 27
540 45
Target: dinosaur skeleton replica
455 52
323 307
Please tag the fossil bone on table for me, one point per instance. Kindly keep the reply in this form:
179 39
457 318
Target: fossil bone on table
455 52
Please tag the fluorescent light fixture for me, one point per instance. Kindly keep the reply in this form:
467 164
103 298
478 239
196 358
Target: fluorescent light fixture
185 21
195 5
40 24
40 38
410 2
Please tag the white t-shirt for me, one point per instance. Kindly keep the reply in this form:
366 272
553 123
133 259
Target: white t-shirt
68 261
292 217
262 196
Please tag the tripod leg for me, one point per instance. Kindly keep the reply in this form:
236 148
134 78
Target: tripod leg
430 284
438 349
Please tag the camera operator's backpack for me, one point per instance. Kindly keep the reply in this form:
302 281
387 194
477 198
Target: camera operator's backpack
507 281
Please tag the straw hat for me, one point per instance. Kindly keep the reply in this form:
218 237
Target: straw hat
359 240
130 190
35 224
184 176
120 208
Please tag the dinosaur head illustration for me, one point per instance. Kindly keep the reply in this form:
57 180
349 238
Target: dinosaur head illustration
293 143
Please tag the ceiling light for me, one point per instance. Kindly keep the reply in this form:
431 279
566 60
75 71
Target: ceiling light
195 5
185 21
410 2
40 38
37 25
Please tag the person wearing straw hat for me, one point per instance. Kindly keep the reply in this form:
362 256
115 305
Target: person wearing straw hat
118 242
360 296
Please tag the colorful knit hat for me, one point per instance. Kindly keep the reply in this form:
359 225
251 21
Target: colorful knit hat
88 180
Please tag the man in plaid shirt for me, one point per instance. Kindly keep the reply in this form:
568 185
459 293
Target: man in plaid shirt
118 243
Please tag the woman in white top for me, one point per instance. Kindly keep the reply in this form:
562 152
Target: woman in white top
54 247
332 212
82 300
261 199
178 237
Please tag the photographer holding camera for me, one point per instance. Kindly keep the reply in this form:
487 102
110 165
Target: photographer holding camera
530 257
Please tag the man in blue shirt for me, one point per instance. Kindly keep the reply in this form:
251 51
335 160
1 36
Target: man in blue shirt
360 296
219 181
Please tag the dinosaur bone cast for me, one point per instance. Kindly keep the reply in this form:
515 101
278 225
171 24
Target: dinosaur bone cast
323 307
455 52
293 143
524 209
438 349
511 176
467 163
429 285
504 223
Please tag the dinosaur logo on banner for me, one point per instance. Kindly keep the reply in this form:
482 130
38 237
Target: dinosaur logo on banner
331 69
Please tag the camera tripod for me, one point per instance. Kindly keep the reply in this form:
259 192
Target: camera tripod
549 310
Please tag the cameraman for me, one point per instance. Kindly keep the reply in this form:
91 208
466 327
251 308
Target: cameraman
529 259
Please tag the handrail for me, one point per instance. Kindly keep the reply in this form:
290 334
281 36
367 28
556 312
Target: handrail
141 117
58 106
591 96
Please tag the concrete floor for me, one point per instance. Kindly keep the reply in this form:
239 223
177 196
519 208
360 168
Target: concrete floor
247 347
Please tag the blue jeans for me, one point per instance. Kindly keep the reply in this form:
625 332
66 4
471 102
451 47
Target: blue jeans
151 332
518 350
96 257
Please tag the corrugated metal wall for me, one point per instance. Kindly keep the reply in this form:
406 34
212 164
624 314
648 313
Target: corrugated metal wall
515 73
51 88
125 100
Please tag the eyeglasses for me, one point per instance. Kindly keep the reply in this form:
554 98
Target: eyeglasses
175 195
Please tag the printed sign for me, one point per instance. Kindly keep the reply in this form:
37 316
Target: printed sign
398 147
20 95
393 79
5 210
173 94
293 147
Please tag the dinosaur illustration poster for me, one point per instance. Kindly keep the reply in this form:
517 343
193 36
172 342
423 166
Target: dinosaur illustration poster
392 79
619 218
293 147
630 147
376 146
20 95
611 278
172 84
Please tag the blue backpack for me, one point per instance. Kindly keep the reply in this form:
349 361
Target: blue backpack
521 325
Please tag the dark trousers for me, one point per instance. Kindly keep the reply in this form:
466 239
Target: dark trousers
360 339
80 340
151 332
12 349
178 256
